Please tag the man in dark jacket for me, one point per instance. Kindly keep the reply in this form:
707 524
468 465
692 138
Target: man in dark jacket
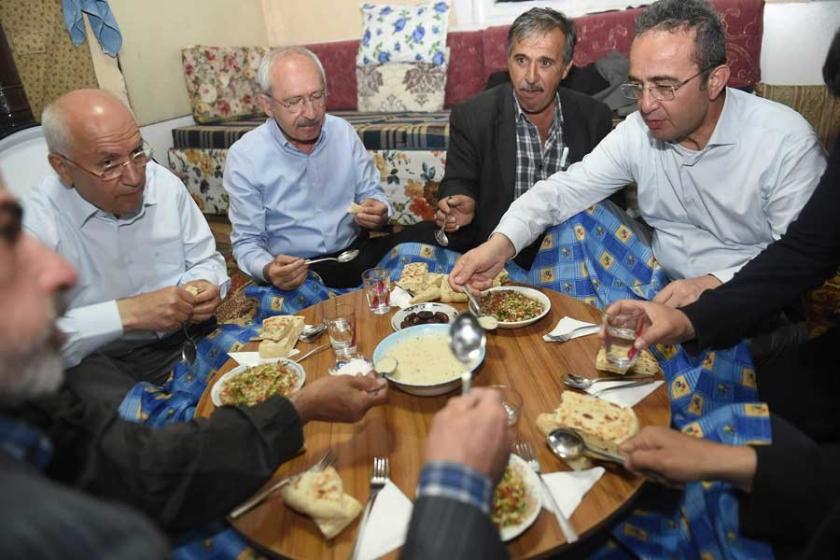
507 138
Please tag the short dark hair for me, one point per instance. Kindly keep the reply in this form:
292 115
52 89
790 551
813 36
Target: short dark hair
831 68
542 21
670 15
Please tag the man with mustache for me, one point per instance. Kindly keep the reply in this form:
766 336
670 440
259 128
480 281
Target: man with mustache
293 180
146 258
504 140
720 173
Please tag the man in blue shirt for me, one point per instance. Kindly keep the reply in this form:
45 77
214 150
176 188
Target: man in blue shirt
302 185
146 258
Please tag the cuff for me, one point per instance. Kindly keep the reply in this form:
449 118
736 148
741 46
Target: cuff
519 237
458 482
726 274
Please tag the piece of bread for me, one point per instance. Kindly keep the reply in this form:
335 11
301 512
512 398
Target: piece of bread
413 277
320 494
354 208
447 294
602 424
193 289
645 364
279 335
430 290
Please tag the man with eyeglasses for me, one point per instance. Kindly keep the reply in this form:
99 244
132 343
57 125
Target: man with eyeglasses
720 173
302 185
147 262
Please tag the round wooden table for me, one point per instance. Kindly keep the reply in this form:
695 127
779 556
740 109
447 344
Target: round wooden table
515 357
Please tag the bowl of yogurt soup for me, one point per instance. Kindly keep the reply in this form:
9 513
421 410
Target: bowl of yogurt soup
425 365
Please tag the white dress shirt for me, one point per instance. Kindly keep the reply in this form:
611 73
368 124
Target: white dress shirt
286 202
167 243
711 210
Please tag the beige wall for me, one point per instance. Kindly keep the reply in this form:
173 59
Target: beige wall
294 22
155 31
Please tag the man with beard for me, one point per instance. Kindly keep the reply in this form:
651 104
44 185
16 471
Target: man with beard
302 184
504 140
146 259
720 173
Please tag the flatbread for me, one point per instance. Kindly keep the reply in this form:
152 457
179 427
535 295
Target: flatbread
279 335
354 208
321 496
645 364
447 294
193 289
602 424
430 290
413 277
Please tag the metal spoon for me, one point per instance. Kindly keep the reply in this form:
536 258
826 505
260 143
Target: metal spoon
568 444
188 350
467 342
386 366
344 257
583 383
440 235
311 332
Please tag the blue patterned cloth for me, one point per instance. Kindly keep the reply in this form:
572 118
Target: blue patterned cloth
592 257
102 22
456 481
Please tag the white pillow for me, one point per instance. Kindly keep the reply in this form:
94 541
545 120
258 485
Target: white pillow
399 33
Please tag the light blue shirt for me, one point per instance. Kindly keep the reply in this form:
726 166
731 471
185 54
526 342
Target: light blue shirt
711 210
286 202
167 243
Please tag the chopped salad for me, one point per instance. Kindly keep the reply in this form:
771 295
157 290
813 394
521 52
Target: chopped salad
509 306
257 383
510 503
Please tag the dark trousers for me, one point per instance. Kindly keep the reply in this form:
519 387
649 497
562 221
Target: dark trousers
107 374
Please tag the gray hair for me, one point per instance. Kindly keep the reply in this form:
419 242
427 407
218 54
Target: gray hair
671 15
268 61
55 129
541 21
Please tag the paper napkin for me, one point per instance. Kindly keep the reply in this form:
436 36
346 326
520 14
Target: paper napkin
388 523
253 358
626 398
569 488
400 297
567 324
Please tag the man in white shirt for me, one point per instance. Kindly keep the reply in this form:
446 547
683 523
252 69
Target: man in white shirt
720 173
146 258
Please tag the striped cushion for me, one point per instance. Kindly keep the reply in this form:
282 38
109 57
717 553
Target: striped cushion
378 131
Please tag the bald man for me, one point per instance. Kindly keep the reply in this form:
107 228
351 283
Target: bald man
146 258
302 184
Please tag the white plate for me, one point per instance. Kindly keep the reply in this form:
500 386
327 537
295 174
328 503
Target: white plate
531 293
400 315
414 389
216 390
533 495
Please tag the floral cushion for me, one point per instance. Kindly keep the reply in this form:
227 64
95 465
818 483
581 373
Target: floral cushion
221 81
401 86
398 33
410 179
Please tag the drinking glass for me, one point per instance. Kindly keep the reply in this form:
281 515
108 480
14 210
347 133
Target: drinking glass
377 284
619 334
341 326
511 401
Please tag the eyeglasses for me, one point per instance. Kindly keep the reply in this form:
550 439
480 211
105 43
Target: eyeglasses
660 92
295 105
11 217
111 171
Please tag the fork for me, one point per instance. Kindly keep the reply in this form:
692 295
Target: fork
188 350
381 467
524 450
327 460
567 336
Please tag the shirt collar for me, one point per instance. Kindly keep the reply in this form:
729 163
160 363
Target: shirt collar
81 211
727 128
558 114
283 141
